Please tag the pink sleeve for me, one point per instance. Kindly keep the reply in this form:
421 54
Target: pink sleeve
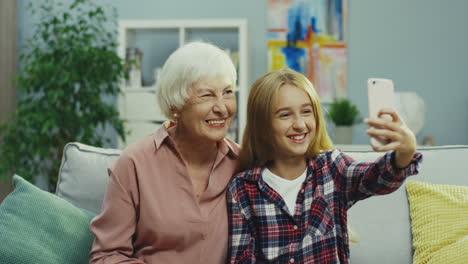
115 226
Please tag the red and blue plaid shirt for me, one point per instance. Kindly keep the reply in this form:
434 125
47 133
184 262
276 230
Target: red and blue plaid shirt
261 229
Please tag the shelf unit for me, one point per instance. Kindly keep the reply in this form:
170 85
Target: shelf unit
138 105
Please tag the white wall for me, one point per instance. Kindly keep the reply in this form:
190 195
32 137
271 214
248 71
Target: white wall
423 46
420 44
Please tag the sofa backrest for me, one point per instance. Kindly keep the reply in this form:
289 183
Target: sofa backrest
382 223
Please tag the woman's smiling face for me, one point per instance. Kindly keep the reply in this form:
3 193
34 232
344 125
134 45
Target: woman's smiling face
209 111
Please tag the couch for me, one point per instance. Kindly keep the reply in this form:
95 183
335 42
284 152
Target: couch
382 224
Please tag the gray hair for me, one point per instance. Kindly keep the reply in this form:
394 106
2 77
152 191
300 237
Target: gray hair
187 65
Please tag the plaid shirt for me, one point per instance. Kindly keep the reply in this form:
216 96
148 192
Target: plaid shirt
261 229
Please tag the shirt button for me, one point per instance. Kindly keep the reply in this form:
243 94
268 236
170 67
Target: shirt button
295 227
291 260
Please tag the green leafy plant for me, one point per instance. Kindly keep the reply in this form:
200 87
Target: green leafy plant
70 72
343 113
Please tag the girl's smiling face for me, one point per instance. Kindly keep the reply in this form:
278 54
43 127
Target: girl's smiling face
293 122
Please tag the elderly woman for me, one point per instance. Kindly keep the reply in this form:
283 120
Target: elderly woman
165 200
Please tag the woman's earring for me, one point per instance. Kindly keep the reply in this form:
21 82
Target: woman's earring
176 116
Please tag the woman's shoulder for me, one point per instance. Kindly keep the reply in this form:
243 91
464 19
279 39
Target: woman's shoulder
133 161
142 146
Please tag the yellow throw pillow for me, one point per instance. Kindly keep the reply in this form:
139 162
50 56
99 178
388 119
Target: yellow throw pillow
439 222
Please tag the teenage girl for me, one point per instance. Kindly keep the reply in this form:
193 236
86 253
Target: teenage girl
289 202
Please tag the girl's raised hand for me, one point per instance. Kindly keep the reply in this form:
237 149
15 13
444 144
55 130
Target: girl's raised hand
400 137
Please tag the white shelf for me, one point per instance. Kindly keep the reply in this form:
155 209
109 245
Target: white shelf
181 23
142 89
137 104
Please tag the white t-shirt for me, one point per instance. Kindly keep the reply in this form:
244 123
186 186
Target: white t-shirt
288 189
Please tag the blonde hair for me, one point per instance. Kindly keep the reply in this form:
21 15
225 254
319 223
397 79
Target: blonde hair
257 148
187 65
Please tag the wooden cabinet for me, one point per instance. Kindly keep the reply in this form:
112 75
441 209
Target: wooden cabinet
156 40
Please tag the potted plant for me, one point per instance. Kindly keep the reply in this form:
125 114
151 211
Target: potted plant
68 84
344 115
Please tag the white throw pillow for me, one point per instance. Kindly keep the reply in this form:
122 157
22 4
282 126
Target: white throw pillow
83 174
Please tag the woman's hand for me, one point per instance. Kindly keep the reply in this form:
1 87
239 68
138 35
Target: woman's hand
400 137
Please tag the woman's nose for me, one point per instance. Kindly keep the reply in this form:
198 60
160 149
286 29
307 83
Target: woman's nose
220 107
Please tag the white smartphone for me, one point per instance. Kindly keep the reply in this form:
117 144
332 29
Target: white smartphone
381 94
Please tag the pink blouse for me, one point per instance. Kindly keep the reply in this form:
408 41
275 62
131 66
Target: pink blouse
150 213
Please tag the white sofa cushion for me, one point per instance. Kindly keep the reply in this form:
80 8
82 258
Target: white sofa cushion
383 222
83 175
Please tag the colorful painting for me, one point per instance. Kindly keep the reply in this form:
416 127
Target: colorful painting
308 36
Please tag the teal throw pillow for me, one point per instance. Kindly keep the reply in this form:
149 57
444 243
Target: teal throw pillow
40 227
